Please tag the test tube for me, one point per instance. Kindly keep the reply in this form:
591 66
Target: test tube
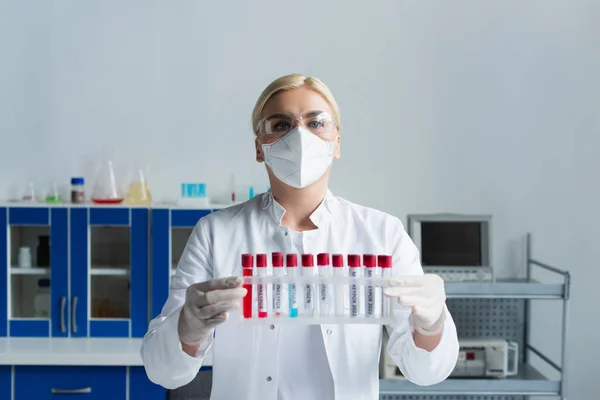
247 265
261 269
308 263
385 263
337 260
291 261
354 271
323 270
277 261
369 261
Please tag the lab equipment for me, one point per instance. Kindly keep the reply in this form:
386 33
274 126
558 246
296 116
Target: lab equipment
312 294
193 195
369 262
277 262
43 251
41 301
77 190
308 263
29 194
232 188
354 271
456 247
291 262
250 192
24 257
385 264
323 271
337 260
486 358
261 268
138 192
247 266
53 196
106 189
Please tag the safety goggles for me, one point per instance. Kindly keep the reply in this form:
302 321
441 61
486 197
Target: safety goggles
318 122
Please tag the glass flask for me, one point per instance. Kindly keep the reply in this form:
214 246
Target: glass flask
53 196
29 193
138 192
106 190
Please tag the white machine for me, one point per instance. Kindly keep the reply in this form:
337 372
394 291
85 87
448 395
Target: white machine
486 358
478 358
455 246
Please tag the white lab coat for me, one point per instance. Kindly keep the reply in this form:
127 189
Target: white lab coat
245 357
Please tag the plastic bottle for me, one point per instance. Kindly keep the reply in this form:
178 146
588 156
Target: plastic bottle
24 257
41 302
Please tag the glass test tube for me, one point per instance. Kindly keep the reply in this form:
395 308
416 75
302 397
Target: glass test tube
308 263
291 261
337 260
354 271
261 270
277 261
247 265
323 271
369 261
385 263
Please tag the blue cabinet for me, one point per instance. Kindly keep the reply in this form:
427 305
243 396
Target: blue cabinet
51 382
141 388
5 382
164 220
66 292
34 231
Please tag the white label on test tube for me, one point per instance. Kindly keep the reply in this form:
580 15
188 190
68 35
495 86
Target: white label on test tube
292 269
369 262
277 262
354 271
308 270
385 263
323 269
261 268
337 260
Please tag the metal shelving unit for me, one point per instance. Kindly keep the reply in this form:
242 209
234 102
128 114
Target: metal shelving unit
529 382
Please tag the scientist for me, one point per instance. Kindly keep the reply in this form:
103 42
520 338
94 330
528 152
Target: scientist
296 121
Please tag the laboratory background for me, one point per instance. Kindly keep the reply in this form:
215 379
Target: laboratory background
488 109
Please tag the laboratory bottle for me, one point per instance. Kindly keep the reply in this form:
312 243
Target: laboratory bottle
77 190
106 190
24 257
138 192
41 302
43 251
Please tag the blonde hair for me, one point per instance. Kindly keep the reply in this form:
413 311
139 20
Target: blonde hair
293 81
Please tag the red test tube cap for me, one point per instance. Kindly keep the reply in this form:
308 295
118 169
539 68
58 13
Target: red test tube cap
384 261
261 260
291 260
337 260
247 261
308 260
353 260
322 259
277 259
369 260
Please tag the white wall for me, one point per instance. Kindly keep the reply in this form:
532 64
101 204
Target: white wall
463 106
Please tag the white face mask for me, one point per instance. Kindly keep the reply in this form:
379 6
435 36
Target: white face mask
299 158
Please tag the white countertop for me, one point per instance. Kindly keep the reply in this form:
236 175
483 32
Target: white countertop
73 351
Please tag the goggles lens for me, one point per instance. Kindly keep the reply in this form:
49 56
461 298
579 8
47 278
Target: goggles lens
319 123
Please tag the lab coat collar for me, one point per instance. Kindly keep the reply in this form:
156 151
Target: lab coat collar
319 217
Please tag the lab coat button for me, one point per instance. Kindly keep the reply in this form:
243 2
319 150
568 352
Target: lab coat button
286 233
269 379
328 331
272 327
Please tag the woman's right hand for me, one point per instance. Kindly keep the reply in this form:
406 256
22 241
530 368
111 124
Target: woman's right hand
207 304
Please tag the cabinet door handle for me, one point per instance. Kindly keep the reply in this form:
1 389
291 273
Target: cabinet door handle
74 314
63 303
72 391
